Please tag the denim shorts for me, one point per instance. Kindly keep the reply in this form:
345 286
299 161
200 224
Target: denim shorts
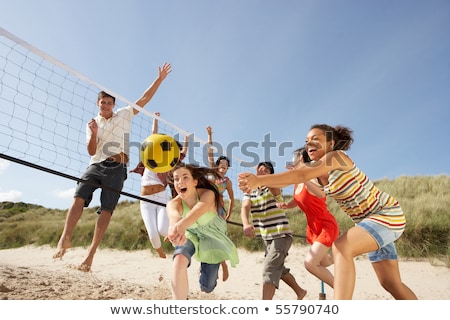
208 272
108 173
384 237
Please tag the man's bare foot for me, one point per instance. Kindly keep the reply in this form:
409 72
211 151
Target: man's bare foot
225 274
62 249
84 267
60 253
302 294
161 252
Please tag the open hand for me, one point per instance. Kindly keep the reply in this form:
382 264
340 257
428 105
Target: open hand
247 182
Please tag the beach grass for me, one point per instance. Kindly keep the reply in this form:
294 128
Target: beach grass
425 200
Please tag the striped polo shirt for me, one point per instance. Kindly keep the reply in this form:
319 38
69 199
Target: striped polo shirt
269 221
360 199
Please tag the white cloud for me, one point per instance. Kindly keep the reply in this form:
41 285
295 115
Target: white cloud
12 195
64 194
4 165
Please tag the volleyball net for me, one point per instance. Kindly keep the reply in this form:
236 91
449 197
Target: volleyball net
45 106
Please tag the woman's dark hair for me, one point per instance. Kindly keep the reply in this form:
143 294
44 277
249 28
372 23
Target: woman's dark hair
341 135
200 174
223 158
268 165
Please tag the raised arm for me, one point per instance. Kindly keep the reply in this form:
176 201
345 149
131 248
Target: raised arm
185 148
155 123
150 92
210 149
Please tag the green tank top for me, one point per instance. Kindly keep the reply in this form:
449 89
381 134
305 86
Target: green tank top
209 236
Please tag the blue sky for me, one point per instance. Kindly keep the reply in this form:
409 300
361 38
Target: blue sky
251 68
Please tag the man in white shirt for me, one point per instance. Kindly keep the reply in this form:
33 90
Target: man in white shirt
107 137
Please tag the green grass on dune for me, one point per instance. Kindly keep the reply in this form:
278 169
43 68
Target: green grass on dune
425 201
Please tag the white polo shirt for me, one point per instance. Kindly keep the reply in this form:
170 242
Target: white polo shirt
113 135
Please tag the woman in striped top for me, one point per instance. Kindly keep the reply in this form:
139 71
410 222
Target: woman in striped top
379 219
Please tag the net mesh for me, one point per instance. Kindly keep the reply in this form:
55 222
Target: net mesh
45 106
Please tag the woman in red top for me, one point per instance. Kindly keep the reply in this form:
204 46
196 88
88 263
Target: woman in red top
322 228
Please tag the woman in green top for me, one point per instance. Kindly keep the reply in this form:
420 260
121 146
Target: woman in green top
195 229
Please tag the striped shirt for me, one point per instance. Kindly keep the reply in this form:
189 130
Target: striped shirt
360 199
269 221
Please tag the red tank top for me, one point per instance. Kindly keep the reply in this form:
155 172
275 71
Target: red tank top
318 217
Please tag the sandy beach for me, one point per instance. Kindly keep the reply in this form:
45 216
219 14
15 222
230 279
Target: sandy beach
30 273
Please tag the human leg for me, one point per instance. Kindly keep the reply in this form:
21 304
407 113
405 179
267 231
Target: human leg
388 274
225 273
208 276
268 291
149 217
100 228
354 242
317 260
82 198
181 261
162 223
274 269
289 279
73 215
385 260
180 283
112 176
223 264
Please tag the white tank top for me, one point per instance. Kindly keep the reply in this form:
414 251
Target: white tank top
150 178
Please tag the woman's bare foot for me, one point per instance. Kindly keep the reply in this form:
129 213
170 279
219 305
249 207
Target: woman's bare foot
225 274
161 252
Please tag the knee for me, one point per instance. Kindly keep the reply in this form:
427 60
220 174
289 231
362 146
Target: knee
208 286
180 262
339 250
78 203
309 263
389 285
